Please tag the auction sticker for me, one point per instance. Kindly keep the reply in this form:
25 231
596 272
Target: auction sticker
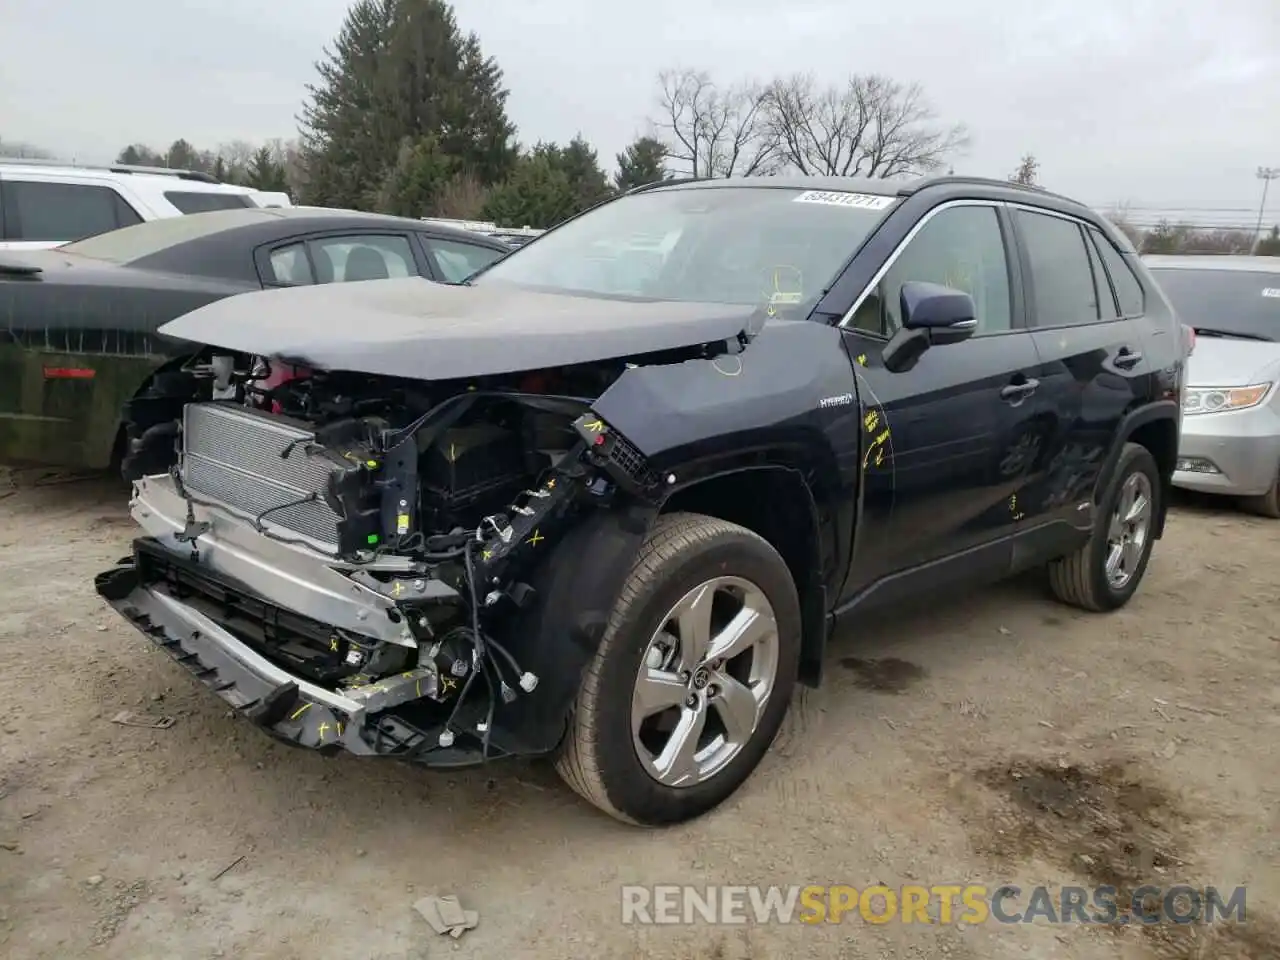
838 198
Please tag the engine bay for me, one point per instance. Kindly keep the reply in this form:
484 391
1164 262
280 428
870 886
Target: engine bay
440 497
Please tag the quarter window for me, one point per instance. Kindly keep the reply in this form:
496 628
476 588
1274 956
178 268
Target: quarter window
1128 289
960 247
290 265
1060 273
62 212
191 201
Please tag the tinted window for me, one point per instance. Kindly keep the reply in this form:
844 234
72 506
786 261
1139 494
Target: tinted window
290 265
1060 273
63 211
1101 286
134 243
344 259
457 261
961 247
758 246
1232 300
198 202
1128 289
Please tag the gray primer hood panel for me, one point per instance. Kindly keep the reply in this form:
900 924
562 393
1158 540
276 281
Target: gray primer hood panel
419 329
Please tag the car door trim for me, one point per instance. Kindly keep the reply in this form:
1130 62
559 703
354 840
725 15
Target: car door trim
885 267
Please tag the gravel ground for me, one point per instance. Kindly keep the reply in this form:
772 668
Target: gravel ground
994 738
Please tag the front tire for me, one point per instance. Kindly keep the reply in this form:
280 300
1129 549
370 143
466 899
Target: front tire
692 678
1104 573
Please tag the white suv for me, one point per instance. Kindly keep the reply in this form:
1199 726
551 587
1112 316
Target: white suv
46 204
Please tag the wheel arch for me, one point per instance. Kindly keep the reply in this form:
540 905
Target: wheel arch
121 439
776 502
1155 427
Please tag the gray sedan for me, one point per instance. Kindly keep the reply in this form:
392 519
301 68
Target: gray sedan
1231 412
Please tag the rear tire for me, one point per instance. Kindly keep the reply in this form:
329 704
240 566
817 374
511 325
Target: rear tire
1084 578
1266 504
651 638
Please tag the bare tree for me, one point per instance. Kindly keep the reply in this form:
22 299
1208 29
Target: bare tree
871 126
1028 172
1120 219
714 131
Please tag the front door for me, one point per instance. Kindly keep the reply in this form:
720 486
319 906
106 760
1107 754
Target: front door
947 440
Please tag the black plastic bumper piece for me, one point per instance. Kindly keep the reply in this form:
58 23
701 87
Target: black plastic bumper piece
290 709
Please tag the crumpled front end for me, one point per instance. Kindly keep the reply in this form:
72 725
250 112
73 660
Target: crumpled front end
356 563
290 640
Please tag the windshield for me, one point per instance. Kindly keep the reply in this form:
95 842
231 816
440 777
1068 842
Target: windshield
1233 301
762 245
151 236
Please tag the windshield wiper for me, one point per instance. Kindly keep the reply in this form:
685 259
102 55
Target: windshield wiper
1212 332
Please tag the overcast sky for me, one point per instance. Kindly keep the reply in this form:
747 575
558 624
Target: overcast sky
1170 103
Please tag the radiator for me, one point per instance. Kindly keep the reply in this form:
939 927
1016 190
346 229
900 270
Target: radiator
232 455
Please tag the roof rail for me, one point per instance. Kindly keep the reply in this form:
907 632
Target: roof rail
962 180
198 176
194 175
666 183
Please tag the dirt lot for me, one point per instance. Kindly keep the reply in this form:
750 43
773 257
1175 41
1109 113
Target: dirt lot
999 738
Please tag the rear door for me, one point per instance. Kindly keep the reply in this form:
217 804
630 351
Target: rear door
944 463
1093 367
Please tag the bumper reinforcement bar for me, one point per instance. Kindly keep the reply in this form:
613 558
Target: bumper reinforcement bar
289 708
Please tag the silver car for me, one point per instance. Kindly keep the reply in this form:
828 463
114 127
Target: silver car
1231 412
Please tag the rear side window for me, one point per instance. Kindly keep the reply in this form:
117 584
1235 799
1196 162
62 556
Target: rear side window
1061 277
61 212
1128 289
455 261
1102 286
362 257
199 202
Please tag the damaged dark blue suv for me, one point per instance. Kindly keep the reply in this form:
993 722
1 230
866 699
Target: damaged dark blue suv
607 501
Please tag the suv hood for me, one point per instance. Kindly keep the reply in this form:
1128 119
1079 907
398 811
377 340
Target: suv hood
418 329
1228 362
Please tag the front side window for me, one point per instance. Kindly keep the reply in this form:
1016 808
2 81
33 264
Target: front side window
757 246
363 257
1061 276
456 261
960 247
191 201
62 212
1225 302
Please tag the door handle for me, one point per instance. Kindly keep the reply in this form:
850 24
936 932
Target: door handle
1020 390
1127 359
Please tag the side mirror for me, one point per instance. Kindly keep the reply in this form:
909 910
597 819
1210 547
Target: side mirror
932 316
948 315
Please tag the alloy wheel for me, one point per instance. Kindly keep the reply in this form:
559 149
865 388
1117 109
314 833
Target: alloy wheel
704 680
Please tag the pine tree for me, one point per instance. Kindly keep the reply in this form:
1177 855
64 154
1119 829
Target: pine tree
643 161
401 71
